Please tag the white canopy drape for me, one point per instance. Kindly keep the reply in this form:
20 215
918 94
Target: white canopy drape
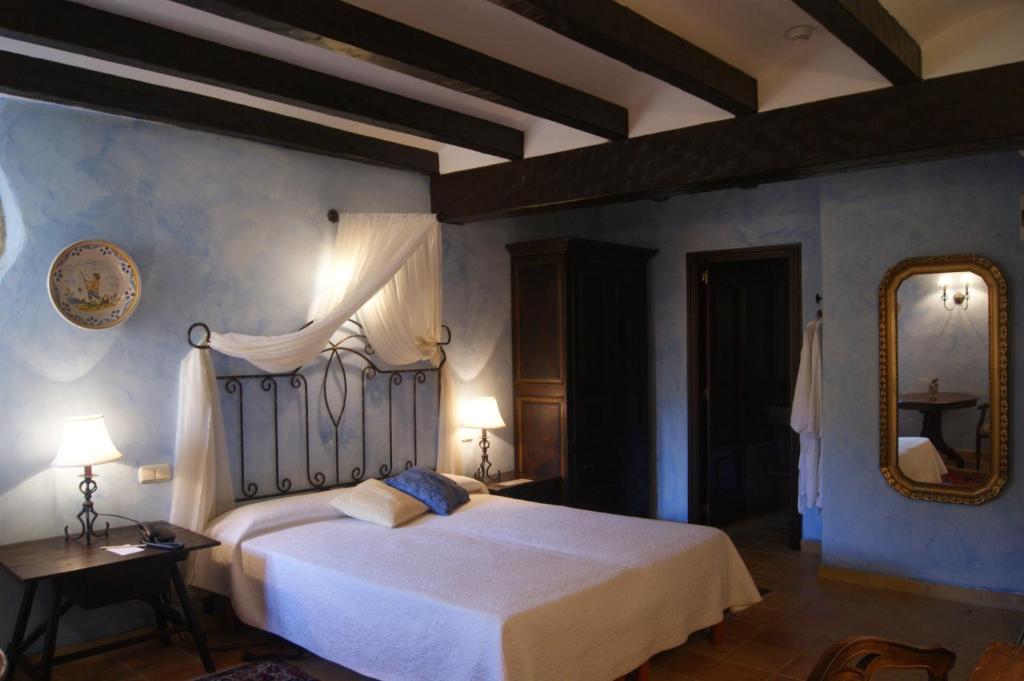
385 269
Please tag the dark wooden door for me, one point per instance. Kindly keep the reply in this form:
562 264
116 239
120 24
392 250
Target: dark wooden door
723 397
744 341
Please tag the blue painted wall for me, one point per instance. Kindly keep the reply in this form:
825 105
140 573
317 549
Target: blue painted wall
869 221
222 230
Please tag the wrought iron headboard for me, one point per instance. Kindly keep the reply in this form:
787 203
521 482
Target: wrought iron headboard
359 352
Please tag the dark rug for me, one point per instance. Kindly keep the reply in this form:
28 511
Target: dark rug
261 671
961 478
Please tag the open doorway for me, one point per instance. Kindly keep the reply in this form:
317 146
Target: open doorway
744 332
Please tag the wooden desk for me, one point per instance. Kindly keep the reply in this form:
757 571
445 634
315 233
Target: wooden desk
89 577
931 408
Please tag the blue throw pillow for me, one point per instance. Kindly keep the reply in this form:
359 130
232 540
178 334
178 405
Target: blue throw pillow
438 493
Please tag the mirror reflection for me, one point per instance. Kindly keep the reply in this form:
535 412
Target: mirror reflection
943 379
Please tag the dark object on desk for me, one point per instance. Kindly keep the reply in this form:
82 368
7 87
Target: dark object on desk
859 657
156 532
87 516
484 471
931 408
579 358
540 489
91 577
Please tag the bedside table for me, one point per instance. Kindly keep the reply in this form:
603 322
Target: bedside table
90 577
544 490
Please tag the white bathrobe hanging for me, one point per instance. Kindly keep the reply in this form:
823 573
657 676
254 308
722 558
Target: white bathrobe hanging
805 418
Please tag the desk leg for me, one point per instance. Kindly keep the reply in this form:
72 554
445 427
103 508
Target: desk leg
190 618
931 428
28 595
161 619
50 641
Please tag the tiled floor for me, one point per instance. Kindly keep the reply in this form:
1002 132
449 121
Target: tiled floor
777 640
782 637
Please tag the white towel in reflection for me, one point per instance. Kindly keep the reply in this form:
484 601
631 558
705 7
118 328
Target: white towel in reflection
805 418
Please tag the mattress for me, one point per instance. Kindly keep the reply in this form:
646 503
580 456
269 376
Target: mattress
501 590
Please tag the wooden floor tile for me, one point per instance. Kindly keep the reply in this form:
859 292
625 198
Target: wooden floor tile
766 657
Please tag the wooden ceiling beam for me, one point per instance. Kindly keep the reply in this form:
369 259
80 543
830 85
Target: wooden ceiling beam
49 81
874 34
355 32
622 34
964 113
83 30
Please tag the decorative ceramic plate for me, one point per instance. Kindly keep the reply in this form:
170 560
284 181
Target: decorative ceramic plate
94 284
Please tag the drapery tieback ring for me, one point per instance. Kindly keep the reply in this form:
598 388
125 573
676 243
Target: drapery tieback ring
203 344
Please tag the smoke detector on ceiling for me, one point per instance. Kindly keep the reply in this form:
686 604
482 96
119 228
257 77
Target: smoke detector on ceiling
799 33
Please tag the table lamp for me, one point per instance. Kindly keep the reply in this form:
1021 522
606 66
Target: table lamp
85 443
482 413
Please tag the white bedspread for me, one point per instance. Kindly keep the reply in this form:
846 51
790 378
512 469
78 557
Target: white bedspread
541 593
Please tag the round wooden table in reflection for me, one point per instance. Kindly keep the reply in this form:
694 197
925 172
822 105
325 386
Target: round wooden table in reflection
931 408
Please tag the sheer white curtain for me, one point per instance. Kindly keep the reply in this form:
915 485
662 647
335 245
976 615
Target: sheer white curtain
403 323
368 252
392 262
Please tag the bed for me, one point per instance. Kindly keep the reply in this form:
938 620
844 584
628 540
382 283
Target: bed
920 460
502 589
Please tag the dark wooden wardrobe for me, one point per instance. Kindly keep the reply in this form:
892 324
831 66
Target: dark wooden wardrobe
579 356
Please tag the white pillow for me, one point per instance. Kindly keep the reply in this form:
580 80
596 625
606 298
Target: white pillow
376 502
471 485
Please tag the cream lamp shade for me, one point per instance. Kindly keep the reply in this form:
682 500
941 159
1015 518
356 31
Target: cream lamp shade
85 442
482 412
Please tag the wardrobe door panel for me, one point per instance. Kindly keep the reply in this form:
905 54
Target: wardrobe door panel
539 318
539 436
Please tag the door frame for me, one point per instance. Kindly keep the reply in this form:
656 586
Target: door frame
695 262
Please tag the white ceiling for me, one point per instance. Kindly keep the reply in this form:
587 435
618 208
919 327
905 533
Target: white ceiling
955 35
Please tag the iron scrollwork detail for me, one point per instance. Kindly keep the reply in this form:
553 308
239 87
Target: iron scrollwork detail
349 353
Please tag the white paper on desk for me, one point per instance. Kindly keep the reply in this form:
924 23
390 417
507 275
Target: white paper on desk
126 550
517 481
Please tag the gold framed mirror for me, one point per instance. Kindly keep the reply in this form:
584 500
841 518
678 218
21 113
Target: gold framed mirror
943 345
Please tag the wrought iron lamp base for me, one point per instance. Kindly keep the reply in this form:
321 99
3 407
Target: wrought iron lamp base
483 473
87 516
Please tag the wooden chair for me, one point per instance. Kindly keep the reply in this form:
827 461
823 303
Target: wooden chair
982 432
859 657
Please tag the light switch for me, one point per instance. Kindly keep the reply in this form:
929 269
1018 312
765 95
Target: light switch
157 472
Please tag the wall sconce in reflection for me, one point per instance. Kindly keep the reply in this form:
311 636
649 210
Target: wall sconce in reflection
962 293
